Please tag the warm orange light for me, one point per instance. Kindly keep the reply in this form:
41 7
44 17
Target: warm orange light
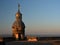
16 36
32 38
17 15
1 39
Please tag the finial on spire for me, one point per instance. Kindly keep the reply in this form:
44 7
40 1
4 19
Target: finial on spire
18 7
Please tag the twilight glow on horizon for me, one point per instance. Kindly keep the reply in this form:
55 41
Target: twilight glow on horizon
41 17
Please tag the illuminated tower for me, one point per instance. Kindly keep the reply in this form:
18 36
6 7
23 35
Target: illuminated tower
18 27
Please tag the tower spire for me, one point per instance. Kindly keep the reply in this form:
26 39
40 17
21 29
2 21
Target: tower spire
18 7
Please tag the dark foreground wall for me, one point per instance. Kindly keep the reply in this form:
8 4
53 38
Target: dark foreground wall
43 42
2 43
26 43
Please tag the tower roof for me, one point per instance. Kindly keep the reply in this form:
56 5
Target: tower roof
18 13
18 7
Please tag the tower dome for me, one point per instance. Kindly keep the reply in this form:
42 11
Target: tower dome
18 15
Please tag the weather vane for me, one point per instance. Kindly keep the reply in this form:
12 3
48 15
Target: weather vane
18 7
